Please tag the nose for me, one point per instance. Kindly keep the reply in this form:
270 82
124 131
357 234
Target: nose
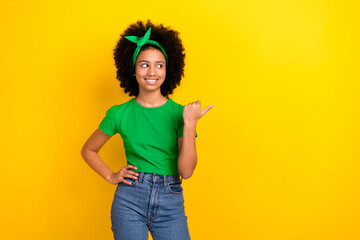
151 71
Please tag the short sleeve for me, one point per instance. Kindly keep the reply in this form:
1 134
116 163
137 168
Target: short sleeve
108 124
180 128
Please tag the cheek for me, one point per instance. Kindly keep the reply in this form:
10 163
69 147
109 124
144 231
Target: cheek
139 72
163 73
138 75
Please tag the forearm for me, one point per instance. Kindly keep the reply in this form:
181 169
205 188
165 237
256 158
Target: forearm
188 158
94 161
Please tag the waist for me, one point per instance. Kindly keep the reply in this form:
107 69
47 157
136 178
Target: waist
153 177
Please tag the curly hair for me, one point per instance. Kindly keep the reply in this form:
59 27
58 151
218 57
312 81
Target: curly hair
168 39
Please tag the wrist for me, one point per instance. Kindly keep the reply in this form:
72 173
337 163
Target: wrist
189 124
109 178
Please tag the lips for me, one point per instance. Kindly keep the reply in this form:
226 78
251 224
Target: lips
151 81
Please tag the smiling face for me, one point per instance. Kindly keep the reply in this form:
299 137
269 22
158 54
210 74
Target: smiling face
150 70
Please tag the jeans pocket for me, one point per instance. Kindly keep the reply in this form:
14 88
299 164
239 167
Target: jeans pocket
133 182
175 187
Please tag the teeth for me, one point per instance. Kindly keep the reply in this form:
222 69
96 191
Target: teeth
151 81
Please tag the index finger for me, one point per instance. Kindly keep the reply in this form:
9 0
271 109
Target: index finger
131 166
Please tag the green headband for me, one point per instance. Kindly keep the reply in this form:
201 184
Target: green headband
141 41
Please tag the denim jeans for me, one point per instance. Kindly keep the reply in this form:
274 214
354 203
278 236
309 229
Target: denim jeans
152 203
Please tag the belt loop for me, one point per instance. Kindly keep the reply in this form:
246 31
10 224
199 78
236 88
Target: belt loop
165 180
141 177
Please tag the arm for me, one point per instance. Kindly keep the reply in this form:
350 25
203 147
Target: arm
89 152
187 151
186 144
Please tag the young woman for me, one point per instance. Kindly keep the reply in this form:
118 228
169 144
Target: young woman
158 135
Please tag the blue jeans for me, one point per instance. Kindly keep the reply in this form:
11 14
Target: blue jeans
152 203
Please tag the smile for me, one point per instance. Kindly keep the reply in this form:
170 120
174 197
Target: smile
151 81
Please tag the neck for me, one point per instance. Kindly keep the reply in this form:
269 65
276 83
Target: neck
151 99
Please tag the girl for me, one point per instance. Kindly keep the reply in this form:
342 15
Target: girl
158 135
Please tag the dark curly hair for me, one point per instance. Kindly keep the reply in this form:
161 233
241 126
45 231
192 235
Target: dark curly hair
167 38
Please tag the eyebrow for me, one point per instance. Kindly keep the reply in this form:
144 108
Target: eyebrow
149 61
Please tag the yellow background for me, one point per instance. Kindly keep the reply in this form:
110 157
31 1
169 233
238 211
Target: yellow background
278 155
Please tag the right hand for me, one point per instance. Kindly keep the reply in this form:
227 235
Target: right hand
118 177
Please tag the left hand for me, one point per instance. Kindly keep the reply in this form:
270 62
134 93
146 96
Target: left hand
192 112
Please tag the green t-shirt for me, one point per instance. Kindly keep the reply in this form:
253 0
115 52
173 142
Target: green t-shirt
149 134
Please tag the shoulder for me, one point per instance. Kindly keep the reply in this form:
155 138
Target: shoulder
177 110
176 105
119 107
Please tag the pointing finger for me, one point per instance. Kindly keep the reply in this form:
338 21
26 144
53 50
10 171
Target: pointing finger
206 109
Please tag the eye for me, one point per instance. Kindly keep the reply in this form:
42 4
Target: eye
159 65
144 65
